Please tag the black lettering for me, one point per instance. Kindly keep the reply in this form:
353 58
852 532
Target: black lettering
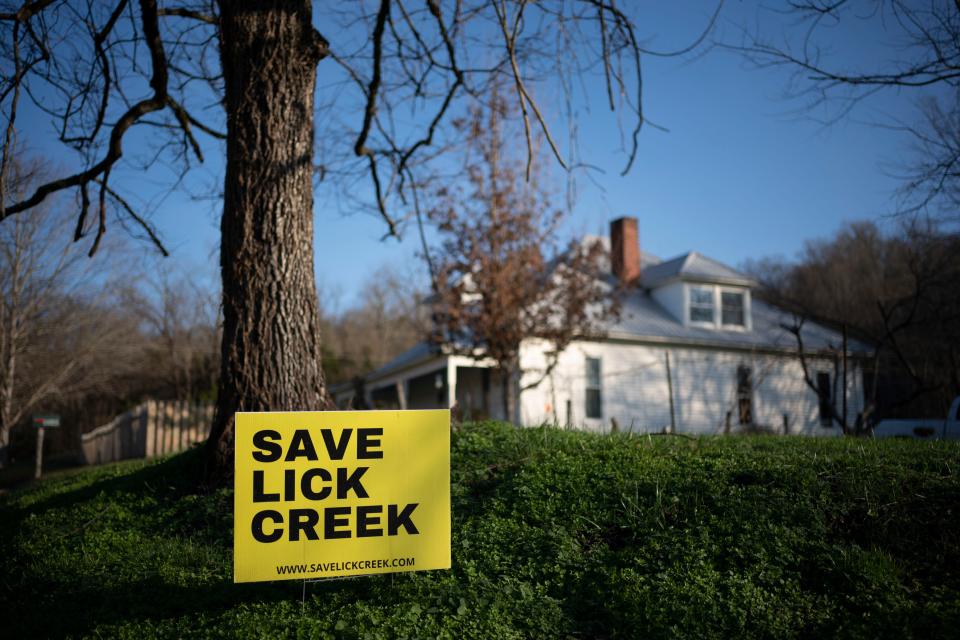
258 493
345 484
336 452
305 520
365 442
366 520
269 451
306 484
331 522
395 520
289 485
301 445
256 526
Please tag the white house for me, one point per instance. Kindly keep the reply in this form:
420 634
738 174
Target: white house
693 351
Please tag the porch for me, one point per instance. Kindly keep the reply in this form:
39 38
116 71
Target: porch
424 378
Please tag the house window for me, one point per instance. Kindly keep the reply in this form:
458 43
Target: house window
701 304
731 308
745 394
593 388
823 392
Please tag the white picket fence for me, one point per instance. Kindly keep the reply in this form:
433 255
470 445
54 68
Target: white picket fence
151 429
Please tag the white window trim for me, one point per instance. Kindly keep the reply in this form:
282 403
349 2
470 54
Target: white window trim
687 295
587 387
717 308
747 322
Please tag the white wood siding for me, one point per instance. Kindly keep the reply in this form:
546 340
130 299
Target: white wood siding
634 390
672 298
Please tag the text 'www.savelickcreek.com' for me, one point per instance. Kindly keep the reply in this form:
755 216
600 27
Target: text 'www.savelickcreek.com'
350 565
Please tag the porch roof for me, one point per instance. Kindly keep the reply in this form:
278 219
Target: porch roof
417 354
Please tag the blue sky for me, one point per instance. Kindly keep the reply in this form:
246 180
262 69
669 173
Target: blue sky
742 172
739 175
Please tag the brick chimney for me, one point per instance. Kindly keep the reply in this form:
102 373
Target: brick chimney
625 249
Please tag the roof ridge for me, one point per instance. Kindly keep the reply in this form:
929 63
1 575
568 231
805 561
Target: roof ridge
724 265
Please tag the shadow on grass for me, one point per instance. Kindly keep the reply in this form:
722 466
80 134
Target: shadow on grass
167 481
49 606
158 503
77 611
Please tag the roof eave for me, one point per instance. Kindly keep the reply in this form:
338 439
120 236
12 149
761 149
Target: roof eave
621 336
731 282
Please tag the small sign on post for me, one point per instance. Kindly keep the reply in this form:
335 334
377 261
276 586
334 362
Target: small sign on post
42 421
46 420
330 494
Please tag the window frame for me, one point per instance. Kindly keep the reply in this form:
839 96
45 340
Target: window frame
743 307
716 292
713 305
588 387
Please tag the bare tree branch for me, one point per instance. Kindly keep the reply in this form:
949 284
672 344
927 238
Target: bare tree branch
182 12
99 171
924 39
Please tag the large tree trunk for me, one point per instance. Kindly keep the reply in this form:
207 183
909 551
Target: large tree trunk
270 356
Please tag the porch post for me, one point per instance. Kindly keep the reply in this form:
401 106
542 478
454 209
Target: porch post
368 396
451 382
402 393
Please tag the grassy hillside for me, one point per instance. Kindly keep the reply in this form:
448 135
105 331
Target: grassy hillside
555 534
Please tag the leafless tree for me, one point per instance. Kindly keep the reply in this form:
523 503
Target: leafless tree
179 322
389 317
56 340
501 277
923 39
931 181
897 292
187 77
834 400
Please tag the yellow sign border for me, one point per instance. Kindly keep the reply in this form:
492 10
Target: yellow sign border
399 502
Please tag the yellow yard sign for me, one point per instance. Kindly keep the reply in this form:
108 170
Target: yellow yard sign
340 493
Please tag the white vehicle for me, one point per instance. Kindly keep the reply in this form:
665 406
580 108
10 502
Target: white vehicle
923 429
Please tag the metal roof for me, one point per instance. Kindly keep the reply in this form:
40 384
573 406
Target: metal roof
414 355
694 267
642 318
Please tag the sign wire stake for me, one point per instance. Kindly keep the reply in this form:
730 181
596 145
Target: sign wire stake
303 596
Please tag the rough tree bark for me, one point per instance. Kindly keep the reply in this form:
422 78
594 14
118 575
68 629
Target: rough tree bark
271 357
269 54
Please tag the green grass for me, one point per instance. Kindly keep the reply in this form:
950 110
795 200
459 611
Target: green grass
555 534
